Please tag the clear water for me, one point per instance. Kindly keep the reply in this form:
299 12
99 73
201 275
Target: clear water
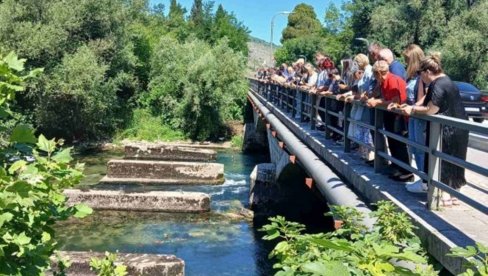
210 244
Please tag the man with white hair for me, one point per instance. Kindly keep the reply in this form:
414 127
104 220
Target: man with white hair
395 67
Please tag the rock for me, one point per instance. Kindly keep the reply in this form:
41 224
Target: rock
168 152
163 172
175 202
137 264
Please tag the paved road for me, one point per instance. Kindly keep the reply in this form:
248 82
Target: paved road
479 142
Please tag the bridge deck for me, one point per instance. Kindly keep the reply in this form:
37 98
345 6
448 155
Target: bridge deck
440 230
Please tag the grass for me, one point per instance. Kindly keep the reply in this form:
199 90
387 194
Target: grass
237 141
145 126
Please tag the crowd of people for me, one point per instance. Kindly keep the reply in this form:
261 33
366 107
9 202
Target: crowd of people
379 79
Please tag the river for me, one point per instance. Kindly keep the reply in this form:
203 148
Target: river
210 244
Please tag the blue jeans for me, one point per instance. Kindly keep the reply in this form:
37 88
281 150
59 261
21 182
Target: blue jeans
416 133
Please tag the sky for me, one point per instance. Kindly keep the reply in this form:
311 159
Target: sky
257 14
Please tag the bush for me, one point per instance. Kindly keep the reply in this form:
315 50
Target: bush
78 102
352 249
145 126
196 88
31 193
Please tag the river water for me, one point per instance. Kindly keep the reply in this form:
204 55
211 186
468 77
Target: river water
210 244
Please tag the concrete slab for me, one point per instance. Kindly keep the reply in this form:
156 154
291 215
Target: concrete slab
173 202
440 231
168 152
137 264
163 172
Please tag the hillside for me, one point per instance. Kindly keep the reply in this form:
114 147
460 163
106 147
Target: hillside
259 53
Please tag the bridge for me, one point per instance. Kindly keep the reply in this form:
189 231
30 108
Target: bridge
343 179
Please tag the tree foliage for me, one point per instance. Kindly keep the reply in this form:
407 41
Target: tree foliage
97 56
189 90
302 22
455 28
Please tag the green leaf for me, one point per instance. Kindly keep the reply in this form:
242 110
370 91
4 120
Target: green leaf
22 188
17 165
5 217
82 210
45 237
271 235
46 145
63 156
22 239
13 87
337 245
329 268
482 248
34 73
23 134
14 62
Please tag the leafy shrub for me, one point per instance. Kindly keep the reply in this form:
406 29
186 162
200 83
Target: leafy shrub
31 198
477 259
348 251
145 126
107 266
78 101
196 88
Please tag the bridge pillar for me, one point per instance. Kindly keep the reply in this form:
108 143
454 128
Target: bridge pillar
255 139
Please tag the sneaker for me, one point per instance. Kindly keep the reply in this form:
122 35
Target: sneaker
417 187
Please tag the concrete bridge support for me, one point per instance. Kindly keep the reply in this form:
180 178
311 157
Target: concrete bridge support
287 150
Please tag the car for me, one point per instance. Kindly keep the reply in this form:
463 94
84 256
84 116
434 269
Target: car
475 102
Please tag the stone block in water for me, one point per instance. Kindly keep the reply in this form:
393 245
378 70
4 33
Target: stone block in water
168 152
163 172
171 202
137 264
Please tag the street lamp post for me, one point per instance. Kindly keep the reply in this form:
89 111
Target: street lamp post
272 26
365 41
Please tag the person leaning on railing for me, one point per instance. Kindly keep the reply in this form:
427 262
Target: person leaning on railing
413 55
335 106
443 98
365 88
321 86
393 90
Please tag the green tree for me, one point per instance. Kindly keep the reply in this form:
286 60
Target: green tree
302 22
464 48
78 102
189 90
227 25
176 21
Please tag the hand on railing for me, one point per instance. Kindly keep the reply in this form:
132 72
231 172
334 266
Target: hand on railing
341 97
364 97
407 110
349 99
372 102
325 93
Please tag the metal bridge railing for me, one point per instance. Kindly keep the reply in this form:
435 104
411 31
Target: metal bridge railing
304 106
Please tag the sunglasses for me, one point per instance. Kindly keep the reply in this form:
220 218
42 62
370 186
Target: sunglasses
420 71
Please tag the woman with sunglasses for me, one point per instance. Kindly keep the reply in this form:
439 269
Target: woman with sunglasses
443 98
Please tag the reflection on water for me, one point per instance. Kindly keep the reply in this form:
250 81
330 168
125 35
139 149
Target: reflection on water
210 244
